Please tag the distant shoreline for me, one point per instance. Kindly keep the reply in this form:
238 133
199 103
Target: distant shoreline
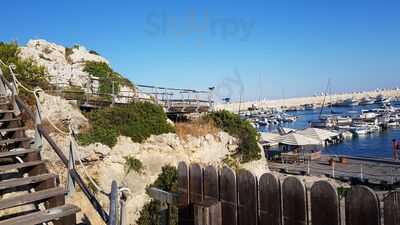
299 101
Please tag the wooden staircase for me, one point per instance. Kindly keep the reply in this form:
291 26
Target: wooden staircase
29 193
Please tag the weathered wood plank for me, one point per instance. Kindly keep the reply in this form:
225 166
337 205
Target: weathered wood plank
25 181
207 213
43 216
38 196
392 209
324 204
195 183
362 207
294 202
183 184
184 212
211 186
228 195
270 200
247 200
21 165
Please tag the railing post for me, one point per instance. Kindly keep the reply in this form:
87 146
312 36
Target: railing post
113 218
38 140
3 90
71 168
124 197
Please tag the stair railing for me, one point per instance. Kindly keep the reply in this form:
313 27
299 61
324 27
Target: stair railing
110 218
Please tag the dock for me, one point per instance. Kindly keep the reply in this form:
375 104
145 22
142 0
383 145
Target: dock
360 170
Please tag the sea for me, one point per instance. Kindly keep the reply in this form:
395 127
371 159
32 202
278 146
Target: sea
376 145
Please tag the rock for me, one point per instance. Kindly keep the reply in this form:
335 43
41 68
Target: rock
65 68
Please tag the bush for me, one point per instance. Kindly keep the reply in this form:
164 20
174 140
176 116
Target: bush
241 129
167 181
107 76
131 163
136 120
28 72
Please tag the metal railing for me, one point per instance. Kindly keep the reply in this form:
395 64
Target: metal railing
110 218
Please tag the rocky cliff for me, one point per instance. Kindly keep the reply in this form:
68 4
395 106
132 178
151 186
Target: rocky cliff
65 66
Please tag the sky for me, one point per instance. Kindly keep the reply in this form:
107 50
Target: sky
253 49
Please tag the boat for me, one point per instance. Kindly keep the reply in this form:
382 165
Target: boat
360 130
323 122
350 102
343 120
367 101
309 107
382 100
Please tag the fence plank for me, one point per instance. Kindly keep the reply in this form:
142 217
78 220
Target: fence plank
211 186
184 212
247 189
270 200
392 209
294 202
362 207
324 204
195 183
228 194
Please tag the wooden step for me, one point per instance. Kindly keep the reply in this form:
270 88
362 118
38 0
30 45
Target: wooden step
10 119
15 140
42 216
18 182
20 165
12 129
35 197
17 152
6 111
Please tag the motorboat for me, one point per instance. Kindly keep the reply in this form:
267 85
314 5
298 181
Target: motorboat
367 101
350 102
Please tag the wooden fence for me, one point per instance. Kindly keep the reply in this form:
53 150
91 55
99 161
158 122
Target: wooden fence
248 200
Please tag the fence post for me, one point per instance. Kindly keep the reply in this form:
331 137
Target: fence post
324 204
270 200
392 208
362 207
247 200
294 199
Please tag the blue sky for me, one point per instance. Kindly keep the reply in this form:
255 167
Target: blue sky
266 48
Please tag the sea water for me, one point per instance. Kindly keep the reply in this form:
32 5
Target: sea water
377 145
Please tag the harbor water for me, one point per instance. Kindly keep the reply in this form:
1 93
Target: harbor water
377 145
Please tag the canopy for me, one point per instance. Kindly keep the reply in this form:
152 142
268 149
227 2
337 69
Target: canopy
296 139
318 134
270 137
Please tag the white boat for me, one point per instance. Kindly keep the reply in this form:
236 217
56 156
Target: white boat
366 101
350 102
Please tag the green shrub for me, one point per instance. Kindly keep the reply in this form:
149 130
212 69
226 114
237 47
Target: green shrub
136 120
107 77
131 163
28 72
167 181
93 52
248 136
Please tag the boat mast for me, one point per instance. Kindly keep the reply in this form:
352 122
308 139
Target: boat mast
323 102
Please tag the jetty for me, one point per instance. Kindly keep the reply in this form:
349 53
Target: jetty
353 169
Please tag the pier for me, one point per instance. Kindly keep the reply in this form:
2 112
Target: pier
358 170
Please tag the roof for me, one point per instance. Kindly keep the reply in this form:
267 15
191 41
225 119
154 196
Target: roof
318 134
296 139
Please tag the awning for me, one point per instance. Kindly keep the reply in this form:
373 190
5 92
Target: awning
296 139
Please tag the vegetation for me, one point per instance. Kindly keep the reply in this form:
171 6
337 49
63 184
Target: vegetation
133 164
196 128
28 72
136 120
248 136
167 181
107 77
